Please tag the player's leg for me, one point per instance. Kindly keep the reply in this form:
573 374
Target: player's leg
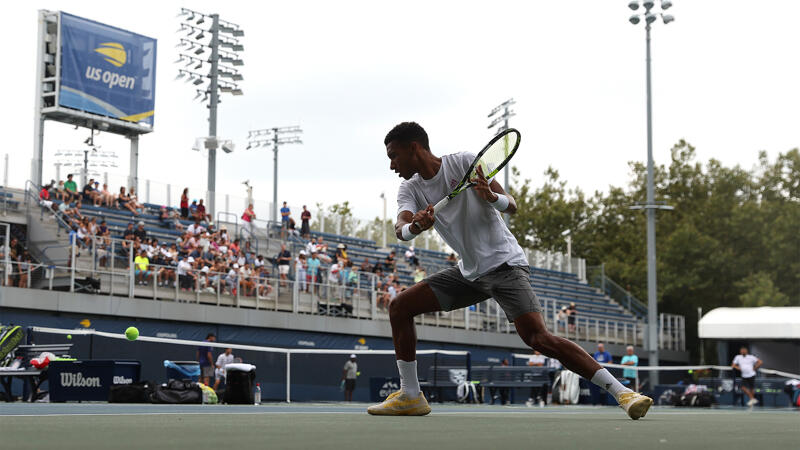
416 300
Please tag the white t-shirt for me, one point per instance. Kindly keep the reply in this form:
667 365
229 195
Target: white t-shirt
223 359
184 267
351 370
746 365
538 360
469 224
333 273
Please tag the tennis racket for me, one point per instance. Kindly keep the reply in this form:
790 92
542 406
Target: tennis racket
494 156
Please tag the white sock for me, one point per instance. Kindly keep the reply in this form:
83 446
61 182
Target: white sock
605 380
409 383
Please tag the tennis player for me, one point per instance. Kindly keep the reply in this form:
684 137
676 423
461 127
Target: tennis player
492 265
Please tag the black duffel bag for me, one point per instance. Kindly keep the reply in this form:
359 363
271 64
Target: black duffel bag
131 393
178 392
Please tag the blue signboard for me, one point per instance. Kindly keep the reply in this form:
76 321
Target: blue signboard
107 71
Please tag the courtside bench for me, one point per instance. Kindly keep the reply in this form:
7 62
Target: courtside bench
30 375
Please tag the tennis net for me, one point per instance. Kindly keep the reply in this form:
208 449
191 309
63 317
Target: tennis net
285 374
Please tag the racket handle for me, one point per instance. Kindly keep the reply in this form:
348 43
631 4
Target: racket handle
442 203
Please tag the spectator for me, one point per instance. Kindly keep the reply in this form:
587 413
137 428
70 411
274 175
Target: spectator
195 228
163 217
322 251
201 212
313 271
219 372
134 200
572 316
284 260
603 357
538 394
106 196
389 263
411 256
23 266
300 271
193 210
184 271
305 218
142 266
748 365
419 274
185 203
86 192
349 374
247 216
140 232
61 192
630 359
285 213
44 196
451 259
341 254
206 360
333 281
366 267
124 201
504 391
70 190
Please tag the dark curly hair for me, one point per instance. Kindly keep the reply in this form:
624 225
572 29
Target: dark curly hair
406 133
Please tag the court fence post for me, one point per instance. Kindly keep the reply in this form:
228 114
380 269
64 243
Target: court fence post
288 376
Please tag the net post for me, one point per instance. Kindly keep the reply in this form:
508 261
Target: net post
288 376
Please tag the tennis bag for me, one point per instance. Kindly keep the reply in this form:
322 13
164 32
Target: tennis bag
566 388
10 337
239 380
141 392
178 392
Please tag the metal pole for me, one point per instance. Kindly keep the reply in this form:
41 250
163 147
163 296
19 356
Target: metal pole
85 173
38 118
134 164
211 144
275 175
652 300
383 225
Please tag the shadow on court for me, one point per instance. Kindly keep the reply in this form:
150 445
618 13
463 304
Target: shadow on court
302 426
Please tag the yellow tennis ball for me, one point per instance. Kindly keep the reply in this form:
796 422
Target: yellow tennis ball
69 336
132 333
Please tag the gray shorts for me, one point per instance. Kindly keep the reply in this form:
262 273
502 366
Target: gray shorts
509 285
207 371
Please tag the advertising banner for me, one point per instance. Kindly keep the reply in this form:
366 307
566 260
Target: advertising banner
107 71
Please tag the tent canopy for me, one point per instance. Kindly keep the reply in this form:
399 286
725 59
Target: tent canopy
751 323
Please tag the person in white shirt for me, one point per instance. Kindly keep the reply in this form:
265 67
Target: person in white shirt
333 280
219 370
748 365
184 270
537 360
492 265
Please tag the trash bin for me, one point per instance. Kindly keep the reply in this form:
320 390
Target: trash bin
239 382
182 370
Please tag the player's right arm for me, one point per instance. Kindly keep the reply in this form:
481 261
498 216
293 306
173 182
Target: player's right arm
417 223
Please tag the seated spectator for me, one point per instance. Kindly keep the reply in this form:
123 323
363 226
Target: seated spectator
163 217
186 277
452 260
44 196
87 193
70 190
134 200
341 254
193 209
106 196
61 192
366 267
200 212
124 201
142 267
195 228
128 237
419 274
411 256
140 232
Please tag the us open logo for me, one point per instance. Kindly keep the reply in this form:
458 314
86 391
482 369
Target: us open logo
115 54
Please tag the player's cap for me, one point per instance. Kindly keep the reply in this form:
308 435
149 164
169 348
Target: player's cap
352 356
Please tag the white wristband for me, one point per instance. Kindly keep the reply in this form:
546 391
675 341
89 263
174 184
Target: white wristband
501 204
406 232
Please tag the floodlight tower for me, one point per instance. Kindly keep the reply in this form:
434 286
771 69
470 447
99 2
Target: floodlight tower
276 137
650 15
216 37
501 114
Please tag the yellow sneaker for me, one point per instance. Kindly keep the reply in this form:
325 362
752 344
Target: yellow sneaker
635 404
401 404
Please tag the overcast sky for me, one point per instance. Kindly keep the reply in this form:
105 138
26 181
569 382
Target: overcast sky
725 78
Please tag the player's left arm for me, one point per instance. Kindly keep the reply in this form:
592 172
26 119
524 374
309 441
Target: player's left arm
491 191
757 364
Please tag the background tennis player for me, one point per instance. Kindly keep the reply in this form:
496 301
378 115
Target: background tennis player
492 265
